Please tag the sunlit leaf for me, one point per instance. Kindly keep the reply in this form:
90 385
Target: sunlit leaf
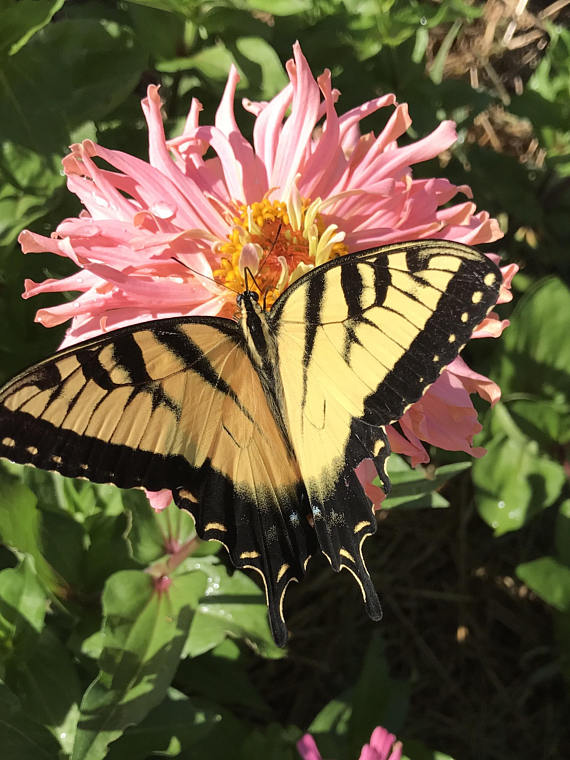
22 19
23 606
232 605
153 534
536 348
145 631
20 524
548 578
515 482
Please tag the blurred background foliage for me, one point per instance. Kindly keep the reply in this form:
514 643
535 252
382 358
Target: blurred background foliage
472 659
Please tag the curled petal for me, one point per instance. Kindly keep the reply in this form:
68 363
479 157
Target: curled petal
367 473
409 445
491 326
473 382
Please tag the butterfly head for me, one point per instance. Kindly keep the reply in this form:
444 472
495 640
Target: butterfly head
247 295
248 300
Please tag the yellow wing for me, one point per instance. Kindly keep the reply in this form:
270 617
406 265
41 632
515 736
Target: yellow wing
359 339
172 404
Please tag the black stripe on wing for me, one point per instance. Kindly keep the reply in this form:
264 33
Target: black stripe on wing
110 362
437 344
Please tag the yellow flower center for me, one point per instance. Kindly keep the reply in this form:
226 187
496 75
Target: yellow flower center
273 243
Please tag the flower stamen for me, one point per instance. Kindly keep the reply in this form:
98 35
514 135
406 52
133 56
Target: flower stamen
278 242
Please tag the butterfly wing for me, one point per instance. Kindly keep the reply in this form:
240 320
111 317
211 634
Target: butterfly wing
172 404
359 340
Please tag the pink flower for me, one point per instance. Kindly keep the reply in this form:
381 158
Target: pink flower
172 235
383 746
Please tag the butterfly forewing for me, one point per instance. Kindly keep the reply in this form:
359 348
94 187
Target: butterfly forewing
359 340
171 404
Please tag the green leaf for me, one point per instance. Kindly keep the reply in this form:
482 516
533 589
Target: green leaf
334 718
29 186
20 524
414 750
23 606
175 726
415 488
378 699
63 542
212 62
76 498
20 737
48 686
548 578
562 533
159 32
94 62
514 481
22 20
232 605
273 741
261 65
109 550
224 679
184 7
145 631
536 347
280 7
153 534
345 724
547 422
436 70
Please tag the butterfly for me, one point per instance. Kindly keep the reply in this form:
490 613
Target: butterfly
256 425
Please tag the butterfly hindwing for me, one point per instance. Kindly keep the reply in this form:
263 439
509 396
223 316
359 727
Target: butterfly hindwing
172 404
359 340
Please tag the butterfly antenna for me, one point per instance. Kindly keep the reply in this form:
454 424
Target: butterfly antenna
263 261
273 244
247 272
202 275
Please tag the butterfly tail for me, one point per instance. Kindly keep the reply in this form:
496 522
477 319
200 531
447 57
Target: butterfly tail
267 533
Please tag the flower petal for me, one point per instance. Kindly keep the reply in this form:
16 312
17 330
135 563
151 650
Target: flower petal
308 748
295 135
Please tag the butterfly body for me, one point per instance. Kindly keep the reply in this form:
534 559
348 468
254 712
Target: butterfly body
259 341
256 426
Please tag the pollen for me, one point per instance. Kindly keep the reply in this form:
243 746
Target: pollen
273 243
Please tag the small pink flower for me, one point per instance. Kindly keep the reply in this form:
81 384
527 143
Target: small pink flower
162 584
172 235
383 746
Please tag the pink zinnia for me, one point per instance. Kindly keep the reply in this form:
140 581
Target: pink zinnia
172 235
383 746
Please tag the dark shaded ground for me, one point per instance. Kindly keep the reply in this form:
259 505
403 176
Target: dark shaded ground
477 646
